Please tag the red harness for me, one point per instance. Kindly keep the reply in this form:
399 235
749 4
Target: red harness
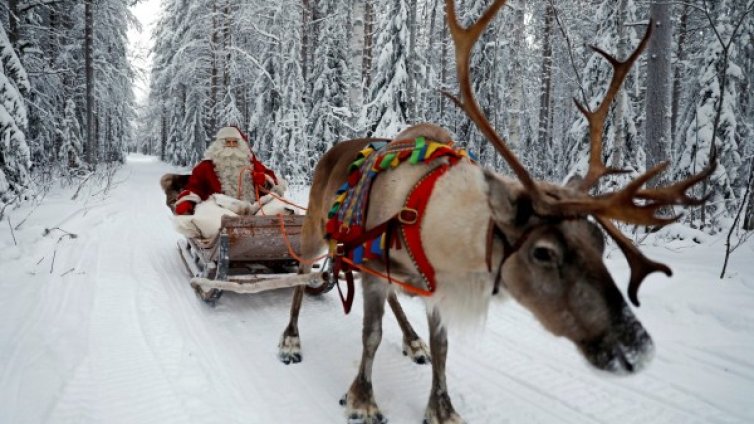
408 221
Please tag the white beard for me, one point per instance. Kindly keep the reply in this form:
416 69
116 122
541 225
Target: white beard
229 162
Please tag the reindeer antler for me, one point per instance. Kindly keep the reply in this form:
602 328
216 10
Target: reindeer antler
620 205
464 40
596 119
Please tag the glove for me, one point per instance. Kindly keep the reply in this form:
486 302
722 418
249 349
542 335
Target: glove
184 208
258 178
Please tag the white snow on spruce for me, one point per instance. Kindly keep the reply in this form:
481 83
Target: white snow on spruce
103 328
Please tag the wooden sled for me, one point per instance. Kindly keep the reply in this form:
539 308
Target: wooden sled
250 254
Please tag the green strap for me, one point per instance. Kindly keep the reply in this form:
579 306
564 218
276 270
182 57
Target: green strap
385 164
420 143
333 210
357 164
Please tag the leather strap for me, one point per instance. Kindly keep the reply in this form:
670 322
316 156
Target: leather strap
411 229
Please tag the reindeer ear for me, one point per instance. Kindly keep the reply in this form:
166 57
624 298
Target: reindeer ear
509 205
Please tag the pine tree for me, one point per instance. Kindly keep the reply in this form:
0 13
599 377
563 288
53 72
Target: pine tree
622 147
288 157
330 116
265 90
386 112
71 147
717 107
15 158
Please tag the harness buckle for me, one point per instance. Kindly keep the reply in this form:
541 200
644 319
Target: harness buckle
340 249
408 216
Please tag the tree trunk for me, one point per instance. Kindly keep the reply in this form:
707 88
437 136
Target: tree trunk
91 136
107 140
444 74
516 73
227 25
212 115
680 57
658 100
412 100
748 223
619 135
163 134
729 248
13 24
305 40
545 101
356 50
366 59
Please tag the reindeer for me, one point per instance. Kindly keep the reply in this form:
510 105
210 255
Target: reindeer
545 240
329 174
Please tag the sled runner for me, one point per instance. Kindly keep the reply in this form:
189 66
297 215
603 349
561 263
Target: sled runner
250 254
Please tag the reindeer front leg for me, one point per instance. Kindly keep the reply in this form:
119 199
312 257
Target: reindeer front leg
360 405
440 409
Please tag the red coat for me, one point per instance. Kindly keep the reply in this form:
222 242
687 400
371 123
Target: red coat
203 181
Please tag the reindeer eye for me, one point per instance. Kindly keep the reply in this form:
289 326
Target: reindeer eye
546 253
543 254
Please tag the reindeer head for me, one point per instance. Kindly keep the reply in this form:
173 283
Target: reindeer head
553 251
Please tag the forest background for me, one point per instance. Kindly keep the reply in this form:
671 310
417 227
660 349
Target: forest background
301 75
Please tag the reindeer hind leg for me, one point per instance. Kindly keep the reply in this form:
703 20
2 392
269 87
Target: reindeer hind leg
413 346
312 242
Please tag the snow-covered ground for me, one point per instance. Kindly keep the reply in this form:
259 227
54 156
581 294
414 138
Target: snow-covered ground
104 328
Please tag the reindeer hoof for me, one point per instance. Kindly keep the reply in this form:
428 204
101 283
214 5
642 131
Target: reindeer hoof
452 419
418 351
358 418
290 359
444 418
289 350
362 412
440 410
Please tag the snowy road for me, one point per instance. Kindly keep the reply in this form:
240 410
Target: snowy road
103 328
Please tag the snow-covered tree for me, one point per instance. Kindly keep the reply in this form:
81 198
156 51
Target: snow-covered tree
71 140
286 71
713 127
15 158
386 110
330 118
622 146
290 156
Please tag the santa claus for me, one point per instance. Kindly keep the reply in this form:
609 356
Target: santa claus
229 167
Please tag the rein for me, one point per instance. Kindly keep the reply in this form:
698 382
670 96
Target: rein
508 250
